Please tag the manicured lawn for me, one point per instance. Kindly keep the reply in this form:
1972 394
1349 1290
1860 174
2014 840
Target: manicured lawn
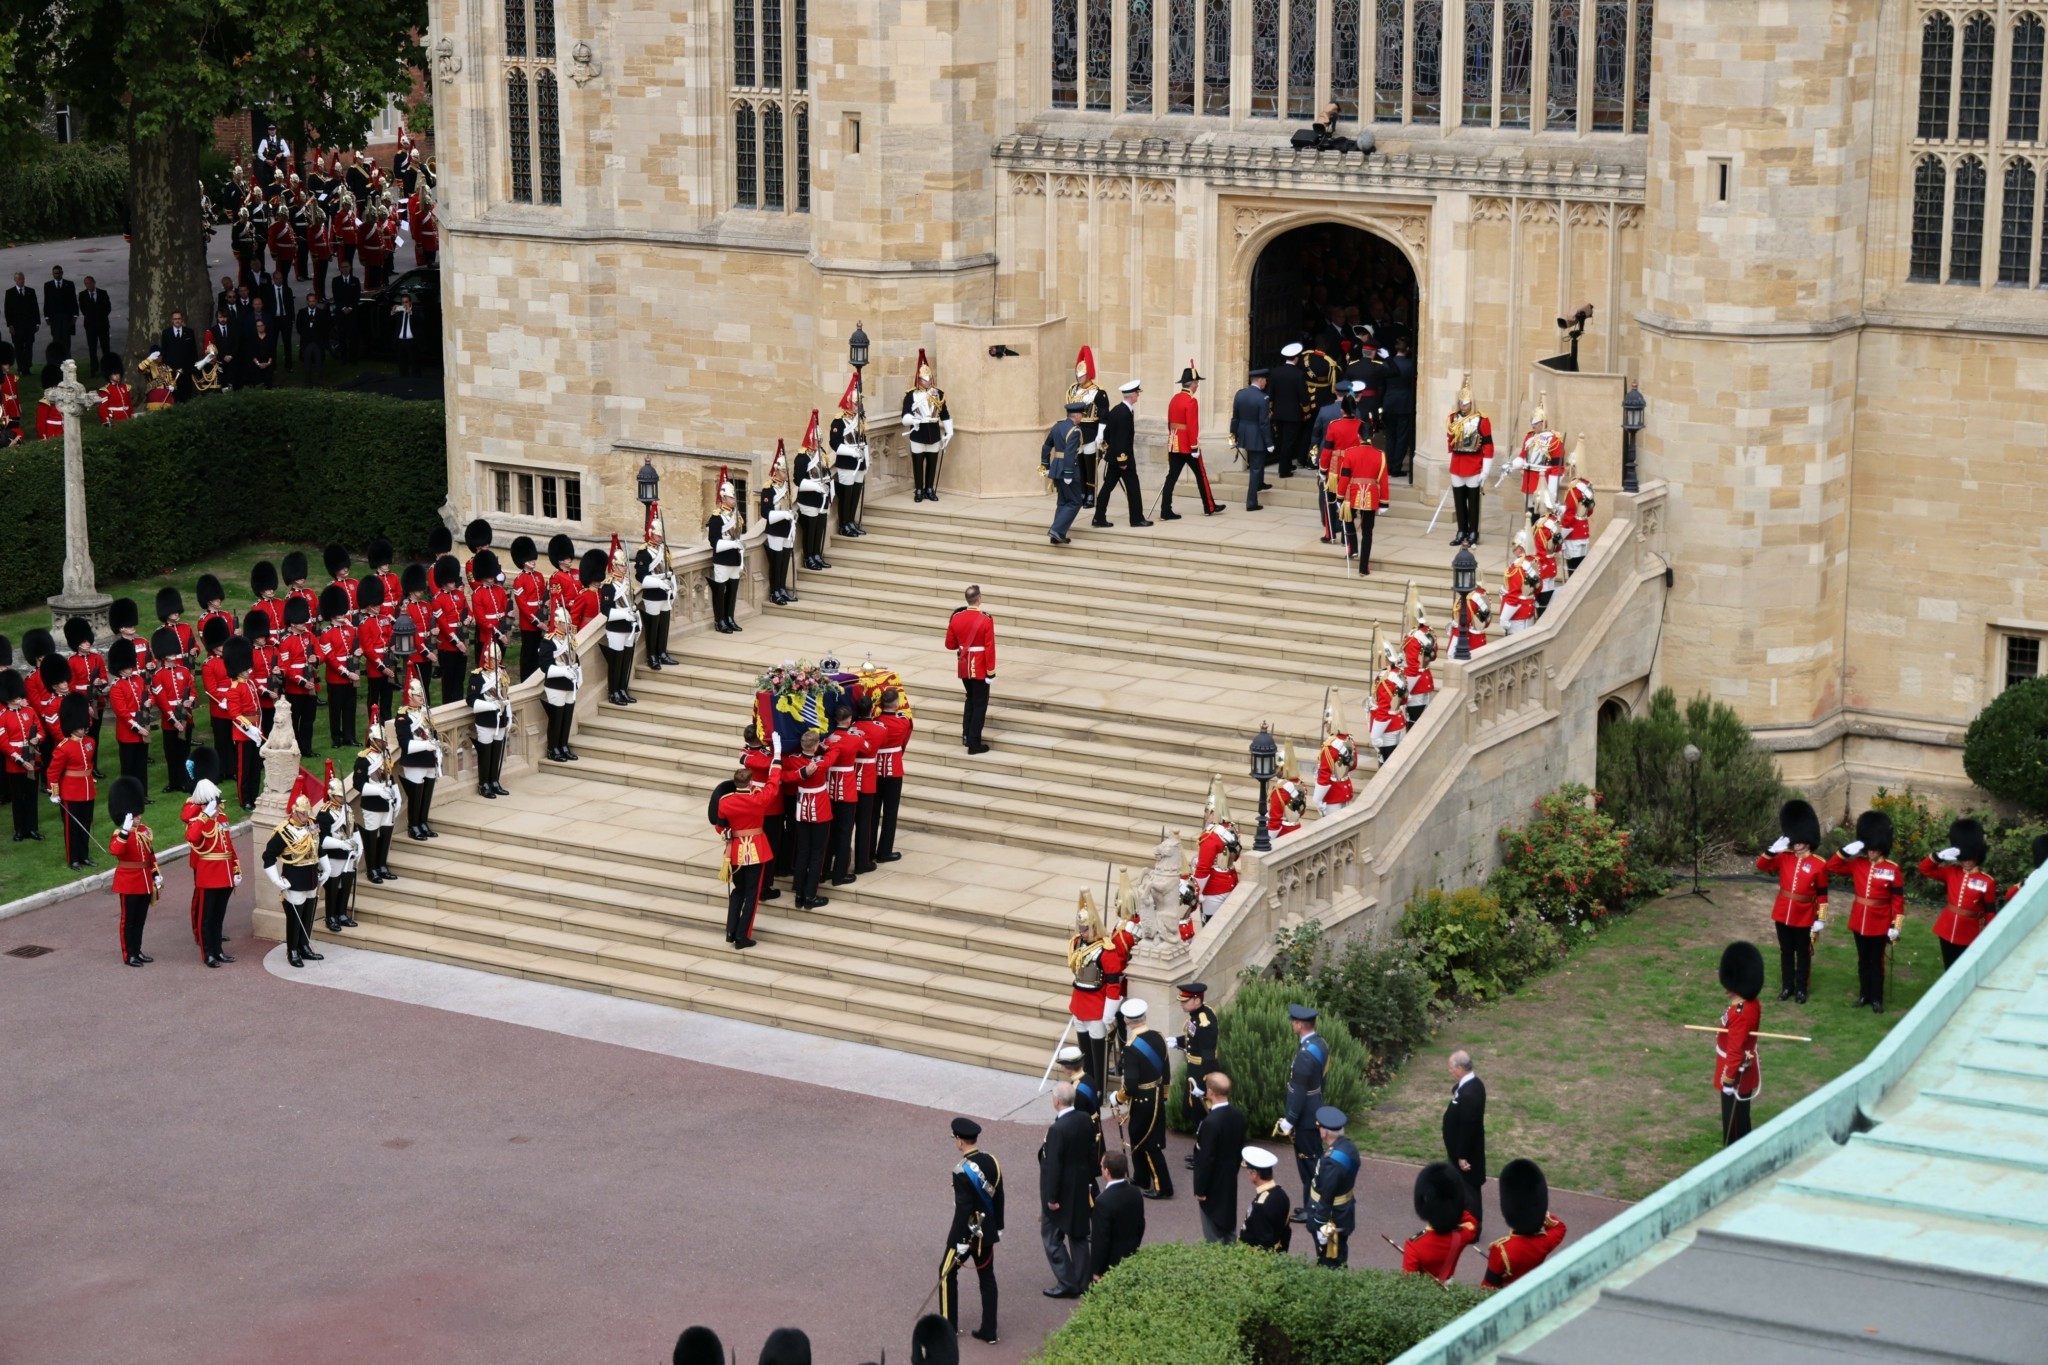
1589 1073
230 566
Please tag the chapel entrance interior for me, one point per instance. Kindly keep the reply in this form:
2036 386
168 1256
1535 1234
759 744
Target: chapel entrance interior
1316 282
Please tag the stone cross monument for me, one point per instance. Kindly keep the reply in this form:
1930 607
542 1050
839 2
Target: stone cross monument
81 595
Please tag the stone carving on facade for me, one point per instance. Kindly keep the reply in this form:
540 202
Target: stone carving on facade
1071 187
1538 211
1028 186
447 61
1627 216
1156 191
1158 887
1250 220
1413 229
1487 210
1112 187
584 66
1588 215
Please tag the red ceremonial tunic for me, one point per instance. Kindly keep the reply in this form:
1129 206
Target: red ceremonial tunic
134 854
843 749
868 762
10 397
350 586
813 803
1430 1252
19 731
295 657
88 667
1279 806
759 762
336 648
129 700
742 814
889 754
213 677
1467 464
393 593
49 422
971 635
1879 886
170 687
1341 434
1116 960
584 609
272 608
529 595
1341 791
70 772
488 605
448 614
1802 887
1085 1003
1211 881
1514 1256
214 861
1736 1065
1389 713
1183 410
118 404
245 712
1518 598
1415 653
1362 464
1538 456
1578 511
1972 901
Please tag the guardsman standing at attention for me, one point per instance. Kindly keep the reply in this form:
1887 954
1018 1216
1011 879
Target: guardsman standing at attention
1146 1074
73 788
1304 1098
622 618
1091 419
977 1225
341 849
336 558
1542 452
1266 1224
971 635
298 657
585 602
1972 897
1335 762
128 699
292 862
743 817
137 878
244 706
1534 1232
723 530
867 767
450 614
373 642
1879 908
337 647
1738 1072
1418 652
1216 857
1197 1043
21 737
1184 445
1288 800
216 867
929 429
489 602
813 496
171 690
118 400
566 581
848 439
1548 536
1801 908
561 669
488 695
658 588
376 784
1332 1212
377 554
1059 459
1468 435
529 602
1519 587
1447 1229
170 613
778 515
296 571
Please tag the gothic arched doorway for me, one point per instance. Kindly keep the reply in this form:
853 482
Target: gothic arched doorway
1321 280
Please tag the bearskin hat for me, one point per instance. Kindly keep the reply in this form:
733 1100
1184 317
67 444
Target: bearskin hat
934 1342
256 625
476 535
165 643
36 645
170 602
110 364
1967 837
78 632
55 673
1798 823
336 557
524 551
238 655
1874 831
439 541
217 631
12 688
123 614
1742 969
377 554
263 578
53 375
2040 849
1524 1196
6 652
210 590
484 568
413 580
591 571
370 593
120 656
1439 1196
74 713
699 1346
205 763
293 570
447 572
296 612
561 549
125 798
786 1346
333 601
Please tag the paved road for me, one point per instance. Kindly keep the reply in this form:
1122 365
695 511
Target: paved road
106 260
226 1167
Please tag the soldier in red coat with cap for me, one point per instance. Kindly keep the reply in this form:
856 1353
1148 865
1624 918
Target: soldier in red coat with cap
1534 1231
1801 909
71 781
971 635
889 772
137 878
1972 893
742 818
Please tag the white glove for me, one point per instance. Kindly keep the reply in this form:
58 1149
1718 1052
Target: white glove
1322 1237
1819 925
53 799
1892 933
211 808
1286 1128
127 823
238 879
1779 845
775 745
1949 855
1518 463
1852 848
277 878
960 1250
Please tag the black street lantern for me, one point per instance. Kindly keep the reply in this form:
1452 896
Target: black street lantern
857 348
649 483
1264 765
1464 578
404 645
1633 404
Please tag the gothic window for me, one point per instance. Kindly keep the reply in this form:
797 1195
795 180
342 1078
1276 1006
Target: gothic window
1066 54
743 42
533 104
1138 57
1973 103
1937 66
1562 111
802 44
1478 63
771 156
744 193
771 129
2023 103
1099 54
515 28
1216 57
803 159
1517 53
1966 224
771 44
1646 29
1301 59
544 29
2016 232
1344 38
1265 59
1390 46
521 141
1930 186
1180 57
547 107
1610 64
1425 102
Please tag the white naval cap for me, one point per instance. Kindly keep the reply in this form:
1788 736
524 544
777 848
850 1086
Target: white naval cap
1130 386
1290 350
1133 1009
1068 1056
1259 1159
1356 386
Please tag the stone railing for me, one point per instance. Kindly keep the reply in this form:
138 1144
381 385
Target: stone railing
1507 727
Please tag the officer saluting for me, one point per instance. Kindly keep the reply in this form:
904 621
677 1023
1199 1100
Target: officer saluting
1304 1097
977 1227
1332 1216
1265 1221
1145 1075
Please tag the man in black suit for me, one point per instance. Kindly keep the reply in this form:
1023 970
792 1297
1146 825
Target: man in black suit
179 347
1065 1165
96 312
1118 1226
315 326
1397 403
1120 458
348 297
280 306
60 311
1219 1151
24 319
1465 1130
405 334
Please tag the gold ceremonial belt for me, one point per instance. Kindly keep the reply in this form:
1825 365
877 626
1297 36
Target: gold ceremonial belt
1340 1201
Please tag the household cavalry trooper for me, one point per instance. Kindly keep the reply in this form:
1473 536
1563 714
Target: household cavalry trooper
621 623
1146 1074
1468 436
1288 800
488 695
930 425
1801 909
418 746
657 578
1577 515
1335 762
376 784
1541 457
1216 857
778 514
1197 1043
292 861
341 846
813 496
1304 1098
848 439
561 670
1332 1212
1092 418
723 530
1470 615
977 1226
1548 537
1519 586
1084 965
1418 652
1389 695
1879 908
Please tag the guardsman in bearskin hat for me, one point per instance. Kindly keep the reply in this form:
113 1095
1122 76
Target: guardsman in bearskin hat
1216 858
1389 695
586 603
244 707
337 647
295 572
1266 1224
117 400
813 495
1197 1043
1418 652
1468 436
214 682
415 588
124 618
1332 1210
1972 894
170 612
47 688
1534 1232
377 555
128 699
1738 1071
418 745
376 781
1288 799
489 602
341 850
779 513
213 606
297 658
488 695
929 427
137 878
174 693
1801 910
263 583
88 674
723 531
373 643
1447 1227
292 862
476 538
1879 909
1091 418
529 594
1184 445
21 744
848 441
1146 1074
564 582
656 579
977 1224
216 867
1335 761
73 787
336 558
450 616
266 668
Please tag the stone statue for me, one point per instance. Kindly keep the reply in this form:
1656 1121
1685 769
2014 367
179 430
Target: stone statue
1159 888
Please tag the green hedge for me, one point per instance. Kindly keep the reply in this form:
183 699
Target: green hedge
305 465
1234 1305
73 190
2005 750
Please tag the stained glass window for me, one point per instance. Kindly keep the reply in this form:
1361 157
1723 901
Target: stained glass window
1344 56
548 106
1425 101
1610 65
803 160
803 44
1930 187
1966 224
521 141
1562 108
1301 59
2016 232
1265 101
1973 105
1180 57
1390 43
1066 54
1216 57
771 156
1517 61
743 41
1646 32
1937 66
1138 57
2023 105
1478 63
544 28
515 28
1100 65
771 44
744 193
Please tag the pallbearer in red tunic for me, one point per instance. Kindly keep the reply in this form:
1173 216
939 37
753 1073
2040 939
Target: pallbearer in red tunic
1216 857
1801 909
1447 1228
1468 436
809 771
1738 1072
1972 893
889 773
1879 909
743 817
137 879
1418 652
1534 1231
1288 799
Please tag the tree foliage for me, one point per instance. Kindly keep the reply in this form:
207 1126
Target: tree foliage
1648 786
2005 750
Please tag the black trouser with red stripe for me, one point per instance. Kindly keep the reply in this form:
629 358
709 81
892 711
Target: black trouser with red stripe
135 763
210 908
341 714
1870 966
845 819
864 831
1175 463
134 914
889 795
22 789
1795 957
810 856
742 901
77 824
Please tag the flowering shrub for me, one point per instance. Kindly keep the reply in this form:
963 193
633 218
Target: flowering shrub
1472 947
1571 866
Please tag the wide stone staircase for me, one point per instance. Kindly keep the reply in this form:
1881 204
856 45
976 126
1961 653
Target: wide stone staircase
1132 666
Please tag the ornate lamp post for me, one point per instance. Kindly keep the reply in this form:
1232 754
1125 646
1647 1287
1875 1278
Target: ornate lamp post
1633 405
648 484
404 645
1264 754
857 348
81 595
1464 578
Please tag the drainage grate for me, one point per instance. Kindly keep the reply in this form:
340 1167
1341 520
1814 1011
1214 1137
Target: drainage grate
29 950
